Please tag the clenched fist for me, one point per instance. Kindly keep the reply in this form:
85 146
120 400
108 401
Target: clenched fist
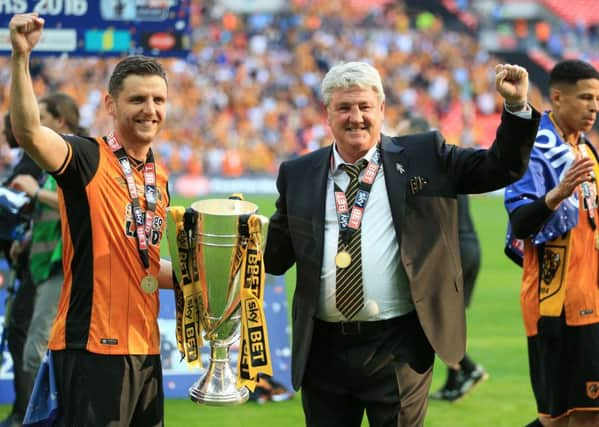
511 81
25 32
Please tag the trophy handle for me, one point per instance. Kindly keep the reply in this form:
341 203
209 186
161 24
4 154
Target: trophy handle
264 230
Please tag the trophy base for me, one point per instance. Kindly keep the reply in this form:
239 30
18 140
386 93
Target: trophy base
236 397
218 387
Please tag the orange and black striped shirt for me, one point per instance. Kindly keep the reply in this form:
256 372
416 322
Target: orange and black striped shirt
581 302
102 307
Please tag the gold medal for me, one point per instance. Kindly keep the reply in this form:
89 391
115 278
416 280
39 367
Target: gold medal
149 284
343 259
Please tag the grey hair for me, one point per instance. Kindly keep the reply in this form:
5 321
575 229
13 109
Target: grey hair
348 74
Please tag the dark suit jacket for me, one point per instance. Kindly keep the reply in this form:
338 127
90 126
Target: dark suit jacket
425 225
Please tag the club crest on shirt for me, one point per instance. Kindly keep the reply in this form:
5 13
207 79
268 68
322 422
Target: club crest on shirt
551 263
593 389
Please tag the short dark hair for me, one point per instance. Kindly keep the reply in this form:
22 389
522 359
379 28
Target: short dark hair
139 65
570 71
61 105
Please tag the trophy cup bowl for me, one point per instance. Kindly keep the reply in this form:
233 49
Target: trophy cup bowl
218 230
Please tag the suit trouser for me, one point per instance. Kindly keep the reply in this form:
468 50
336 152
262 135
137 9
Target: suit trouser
383 368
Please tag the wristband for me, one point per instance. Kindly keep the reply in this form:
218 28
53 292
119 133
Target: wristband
37 193
515 107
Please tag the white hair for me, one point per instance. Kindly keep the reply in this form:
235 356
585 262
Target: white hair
348 74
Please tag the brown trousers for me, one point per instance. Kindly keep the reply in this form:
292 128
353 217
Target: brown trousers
383 368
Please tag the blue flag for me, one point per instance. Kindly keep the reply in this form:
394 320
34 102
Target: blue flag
549 160
42 410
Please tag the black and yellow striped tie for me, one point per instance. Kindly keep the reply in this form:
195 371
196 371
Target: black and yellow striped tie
349 295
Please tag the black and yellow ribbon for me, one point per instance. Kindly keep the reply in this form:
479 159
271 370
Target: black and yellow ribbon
182 238
174 232
254 350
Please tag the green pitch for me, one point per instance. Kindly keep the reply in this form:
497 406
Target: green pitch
496 340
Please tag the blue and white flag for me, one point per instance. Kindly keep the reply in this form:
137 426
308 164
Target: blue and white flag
549 160
42 410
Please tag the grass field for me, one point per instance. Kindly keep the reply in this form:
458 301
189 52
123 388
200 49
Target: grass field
496 340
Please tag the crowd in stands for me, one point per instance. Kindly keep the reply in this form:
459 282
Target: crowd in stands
561 29
578 34
247 97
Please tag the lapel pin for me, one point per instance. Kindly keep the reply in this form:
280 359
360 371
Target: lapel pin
399 167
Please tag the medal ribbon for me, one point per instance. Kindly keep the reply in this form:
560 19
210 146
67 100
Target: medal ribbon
143 220
589 197
350 221
254 357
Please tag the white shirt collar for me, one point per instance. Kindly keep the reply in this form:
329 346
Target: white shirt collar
338 161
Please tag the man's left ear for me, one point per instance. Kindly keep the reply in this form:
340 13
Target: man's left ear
325 111
109 104
555 95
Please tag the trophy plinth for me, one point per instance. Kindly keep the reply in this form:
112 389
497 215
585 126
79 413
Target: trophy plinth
218 385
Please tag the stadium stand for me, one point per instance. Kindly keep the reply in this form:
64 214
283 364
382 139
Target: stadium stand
575 12
247 96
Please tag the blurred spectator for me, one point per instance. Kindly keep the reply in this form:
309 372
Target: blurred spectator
543 33
249 89
521 31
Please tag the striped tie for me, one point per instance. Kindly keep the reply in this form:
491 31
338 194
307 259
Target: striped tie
349 295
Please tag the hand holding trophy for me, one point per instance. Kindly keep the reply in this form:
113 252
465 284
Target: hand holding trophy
216 252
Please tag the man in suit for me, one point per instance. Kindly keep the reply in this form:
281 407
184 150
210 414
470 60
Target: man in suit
379 283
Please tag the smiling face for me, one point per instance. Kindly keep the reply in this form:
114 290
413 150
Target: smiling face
138 111
355 116
575 106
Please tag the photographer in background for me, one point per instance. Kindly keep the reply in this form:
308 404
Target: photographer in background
22 298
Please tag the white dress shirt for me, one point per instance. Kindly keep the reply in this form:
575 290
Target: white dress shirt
386 288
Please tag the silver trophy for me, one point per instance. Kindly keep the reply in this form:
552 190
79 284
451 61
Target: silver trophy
220 229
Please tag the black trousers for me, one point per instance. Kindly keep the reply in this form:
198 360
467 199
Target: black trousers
98 390
470 256
383 368
20 317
